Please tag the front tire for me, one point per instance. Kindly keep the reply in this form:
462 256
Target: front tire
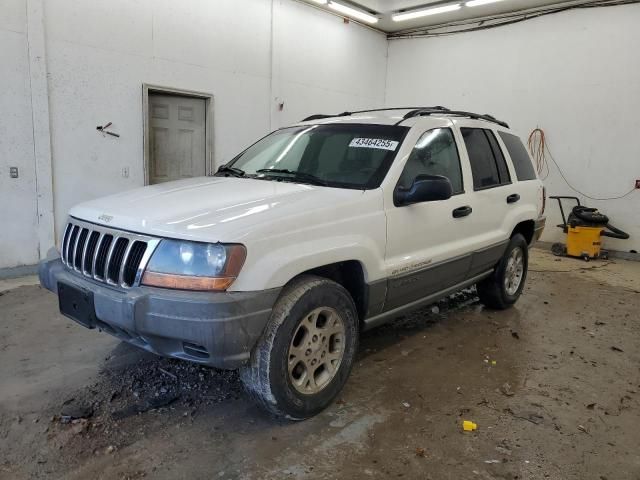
503 288
306 352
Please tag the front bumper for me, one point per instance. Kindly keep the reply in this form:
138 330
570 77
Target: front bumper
213 328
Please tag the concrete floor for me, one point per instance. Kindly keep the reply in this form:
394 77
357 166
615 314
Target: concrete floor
553 384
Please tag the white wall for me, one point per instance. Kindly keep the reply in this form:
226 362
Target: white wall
100 53
322 65
576 75
18 215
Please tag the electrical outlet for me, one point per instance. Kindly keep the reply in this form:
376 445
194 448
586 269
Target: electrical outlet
125 172
637 183
13 172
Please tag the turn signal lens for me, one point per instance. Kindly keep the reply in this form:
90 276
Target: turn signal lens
185 282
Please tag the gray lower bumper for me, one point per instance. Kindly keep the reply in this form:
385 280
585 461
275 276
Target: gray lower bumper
217 329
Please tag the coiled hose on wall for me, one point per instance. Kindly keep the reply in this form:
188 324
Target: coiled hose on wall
591 217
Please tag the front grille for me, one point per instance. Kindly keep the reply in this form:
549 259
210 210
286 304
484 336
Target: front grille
101 257
117 256
111 256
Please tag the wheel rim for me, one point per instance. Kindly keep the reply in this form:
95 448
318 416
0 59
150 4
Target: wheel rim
316 350
514 271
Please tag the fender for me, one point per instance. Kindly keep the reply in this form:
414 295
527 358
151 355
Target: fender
279 266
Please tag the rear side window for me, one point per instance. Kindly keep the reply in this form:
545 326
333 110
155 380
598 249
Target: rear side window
503 170
519 156
487 161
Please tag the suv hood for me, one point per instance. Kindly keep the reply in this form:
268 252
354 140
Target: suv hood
211 209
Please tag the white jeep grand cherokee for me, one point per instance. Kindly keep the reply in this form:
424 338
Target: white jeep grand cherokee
314 233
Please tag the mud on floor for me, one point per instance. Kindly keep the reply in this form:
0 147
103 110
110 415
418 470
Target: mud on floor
553 385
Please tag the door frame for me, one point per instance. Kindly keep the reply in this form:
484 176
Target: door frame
208 128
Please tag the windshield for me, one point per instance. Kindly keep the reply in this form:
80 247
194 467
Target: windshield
344 156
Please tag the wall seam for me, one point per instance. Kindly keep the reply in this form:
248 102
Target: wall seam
271 42
386 76
40 122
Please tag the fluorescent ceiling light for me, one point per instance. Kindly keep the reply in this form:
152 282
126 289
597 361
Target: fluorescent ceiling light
321 2
352 12
475 3
400 17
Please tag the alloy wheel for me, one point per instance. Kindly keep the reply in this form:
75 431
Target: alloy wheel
316 350
514 272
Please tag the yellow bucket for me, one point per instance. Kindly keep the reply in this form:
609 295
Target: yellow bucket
584 241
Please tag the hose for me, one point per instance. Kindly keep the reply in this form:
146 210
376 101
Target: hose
615 233
593 218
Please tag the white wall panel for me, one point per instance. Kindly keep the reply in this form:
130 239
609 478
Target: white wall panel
18 215
14 16
575 74
100 53
324 65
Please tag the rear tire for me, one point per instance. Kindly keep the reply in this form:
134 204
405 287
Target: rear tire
306 352
503 288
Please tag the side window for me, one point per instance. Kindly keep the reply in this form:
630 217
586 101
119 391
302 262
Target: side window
487 161
503 170
435 153
519 156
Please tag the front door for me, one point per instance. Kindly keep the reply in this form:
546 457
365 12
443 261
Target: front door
429 244
177 126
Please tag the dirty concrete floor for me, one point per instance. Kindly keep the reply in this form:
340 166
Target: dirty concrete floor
553 384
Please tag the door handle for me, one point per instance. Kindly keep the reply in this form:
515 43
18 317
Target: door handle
513 198
462 211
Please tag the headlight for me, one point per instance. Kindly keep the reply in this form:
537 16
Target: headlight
186 265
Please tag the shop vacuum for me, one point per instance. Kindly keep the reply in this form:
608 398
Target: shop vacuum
584 227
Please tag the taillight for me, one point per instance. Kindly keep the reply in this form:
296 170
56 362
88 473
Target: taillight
544 200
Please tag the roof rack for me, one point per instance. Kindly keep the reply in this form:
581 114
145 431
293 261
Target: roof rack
321 116
423 112
416 112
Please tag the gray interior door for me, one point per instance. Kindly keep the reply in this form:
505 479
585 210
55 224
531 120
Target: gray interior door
177 137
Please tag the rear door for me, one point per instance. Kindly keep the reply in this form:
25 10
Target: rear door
493 193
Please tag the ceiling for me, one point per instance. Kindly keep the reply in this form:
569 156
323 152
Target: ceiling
385 8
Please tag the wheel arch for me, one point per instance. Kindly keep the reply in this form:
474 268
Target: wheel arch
351 275
526 228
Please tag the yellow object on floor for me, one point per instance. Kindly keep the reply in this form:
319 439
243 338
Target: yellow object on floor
584 241
469 426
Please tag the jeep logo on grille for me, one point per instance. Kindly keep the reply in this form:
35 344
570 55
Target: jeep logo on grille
105 218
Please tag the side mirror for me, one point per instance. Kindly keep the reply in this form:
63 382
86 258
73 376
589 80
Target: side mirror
425 188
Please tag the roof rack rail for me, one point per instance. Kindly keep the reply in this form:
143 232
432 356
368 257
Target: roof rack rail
320 116
439 111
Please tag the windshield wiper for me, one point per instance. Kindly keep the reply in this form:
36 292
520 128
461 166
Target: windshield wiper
236 172
304 177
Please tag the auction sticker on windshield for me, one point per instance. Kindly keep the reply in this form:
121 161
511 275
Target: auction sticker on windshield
380 143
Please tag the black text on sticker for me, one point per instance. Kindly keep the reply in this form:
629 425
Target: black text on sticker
380 143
